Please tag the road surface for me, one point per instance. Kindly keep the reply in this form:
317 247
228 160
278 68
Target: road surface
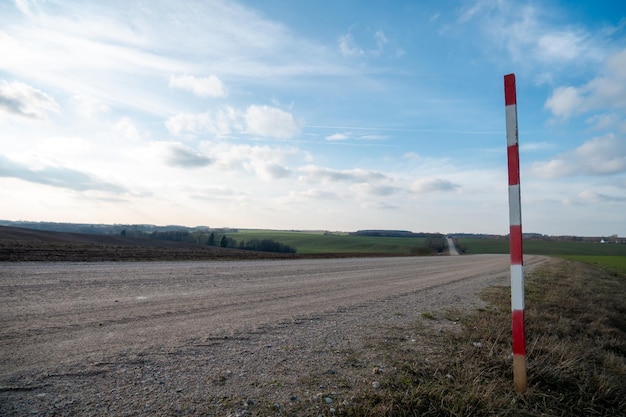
74 311
451 248
204 338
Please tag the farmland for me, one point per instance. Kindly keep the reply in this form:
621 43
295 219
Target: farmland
610 256
542 247
308 243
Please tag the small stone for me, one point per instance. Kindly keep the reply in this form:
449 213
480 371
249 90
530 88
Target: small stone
293 398
477 344
277 406
375 384
328 400
450 377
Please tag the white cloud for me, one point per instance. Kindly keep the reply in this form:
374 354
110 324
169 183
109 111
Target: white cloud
337 137
271 122
533 37
59 147
89 107
317 194
411 156
128 130
56 176
560 46
219 123
369 189
469 11
19 99
604 121
23 6
607 91
596 197
179 155
267 162
348 47
273 171
431 185
381 40
373 137
535 146
565 101
603 155
210 86
313 173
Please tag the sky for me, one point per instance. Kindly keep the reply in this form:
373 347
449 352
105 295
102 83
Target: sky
325 115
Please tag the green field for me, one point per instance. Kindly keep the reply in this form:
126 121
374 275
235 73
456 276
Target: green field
543 247
320 242
609 256
610 263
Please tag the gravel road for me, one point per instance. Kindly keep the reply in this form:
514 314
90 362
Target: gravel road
212 338
451 248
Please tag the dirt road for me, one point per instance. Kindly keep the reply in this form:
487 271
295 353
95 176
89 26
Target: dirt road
56 318
451 248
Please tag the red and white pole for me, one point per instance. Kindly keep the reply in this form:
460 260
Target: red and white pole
515 221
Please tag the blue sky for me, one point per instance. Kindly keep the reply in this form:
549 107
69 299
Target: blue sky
332 115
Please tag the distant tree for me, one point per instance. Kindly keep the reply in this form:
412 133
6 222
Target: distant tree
123 233
224 242
211 241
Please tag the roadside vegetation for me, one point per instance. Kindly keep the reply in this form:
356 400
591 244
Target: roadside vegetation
576 352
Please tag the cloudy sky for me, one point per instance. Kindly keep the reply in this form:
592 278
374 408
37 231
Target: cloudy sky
333 115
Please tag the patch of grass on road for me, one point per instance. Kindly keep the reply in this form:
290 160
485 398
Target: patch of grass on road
576 351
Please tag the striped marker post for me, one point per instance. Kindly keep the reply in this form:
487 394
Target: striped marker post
515 221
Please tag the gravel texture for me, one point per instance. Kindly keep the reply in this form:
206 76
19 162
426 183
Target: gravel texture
238 338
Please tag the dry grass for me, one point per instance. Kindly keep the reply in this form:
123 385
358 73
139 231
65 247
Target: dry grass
576 351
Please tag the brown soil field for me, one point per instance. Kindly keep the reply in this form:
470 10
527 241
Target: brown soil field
19 245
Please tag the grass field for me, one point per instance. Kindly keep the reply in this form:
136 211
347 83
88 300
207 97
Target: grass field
615 264
543 247
322 243
609 256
